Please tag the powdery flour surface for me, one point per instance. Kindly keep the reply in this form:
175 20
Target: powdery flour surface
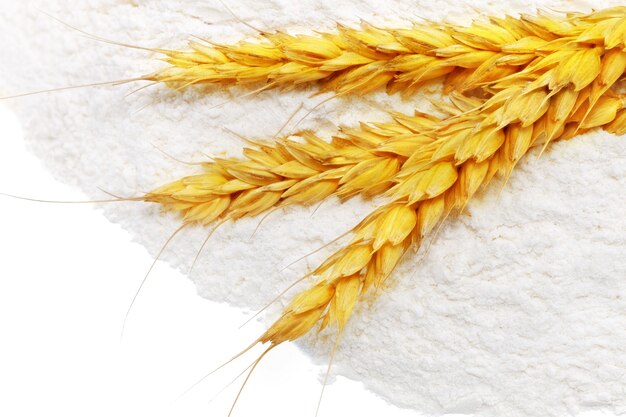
517 309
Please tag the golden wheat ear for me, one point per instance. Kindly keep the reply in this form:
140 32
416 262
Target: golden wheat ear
378 244
361 60
358 161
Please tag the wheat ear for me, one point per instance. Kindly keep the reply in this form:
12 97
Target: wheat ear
360 161
365 59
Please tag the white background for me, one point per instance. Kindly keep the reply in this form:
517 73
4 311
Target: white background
67 277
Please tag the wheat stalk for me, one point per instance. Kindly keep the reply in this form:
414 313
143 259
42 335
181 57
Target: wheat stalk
365 59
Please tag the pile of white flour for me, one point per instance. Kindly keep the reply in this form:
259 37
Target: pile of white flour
516 310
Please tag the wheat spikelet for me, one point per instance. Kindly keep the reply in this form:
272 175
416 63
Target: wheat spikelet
365 59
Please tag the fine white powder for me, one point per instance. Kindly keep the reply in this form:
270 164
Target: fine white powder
517 308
